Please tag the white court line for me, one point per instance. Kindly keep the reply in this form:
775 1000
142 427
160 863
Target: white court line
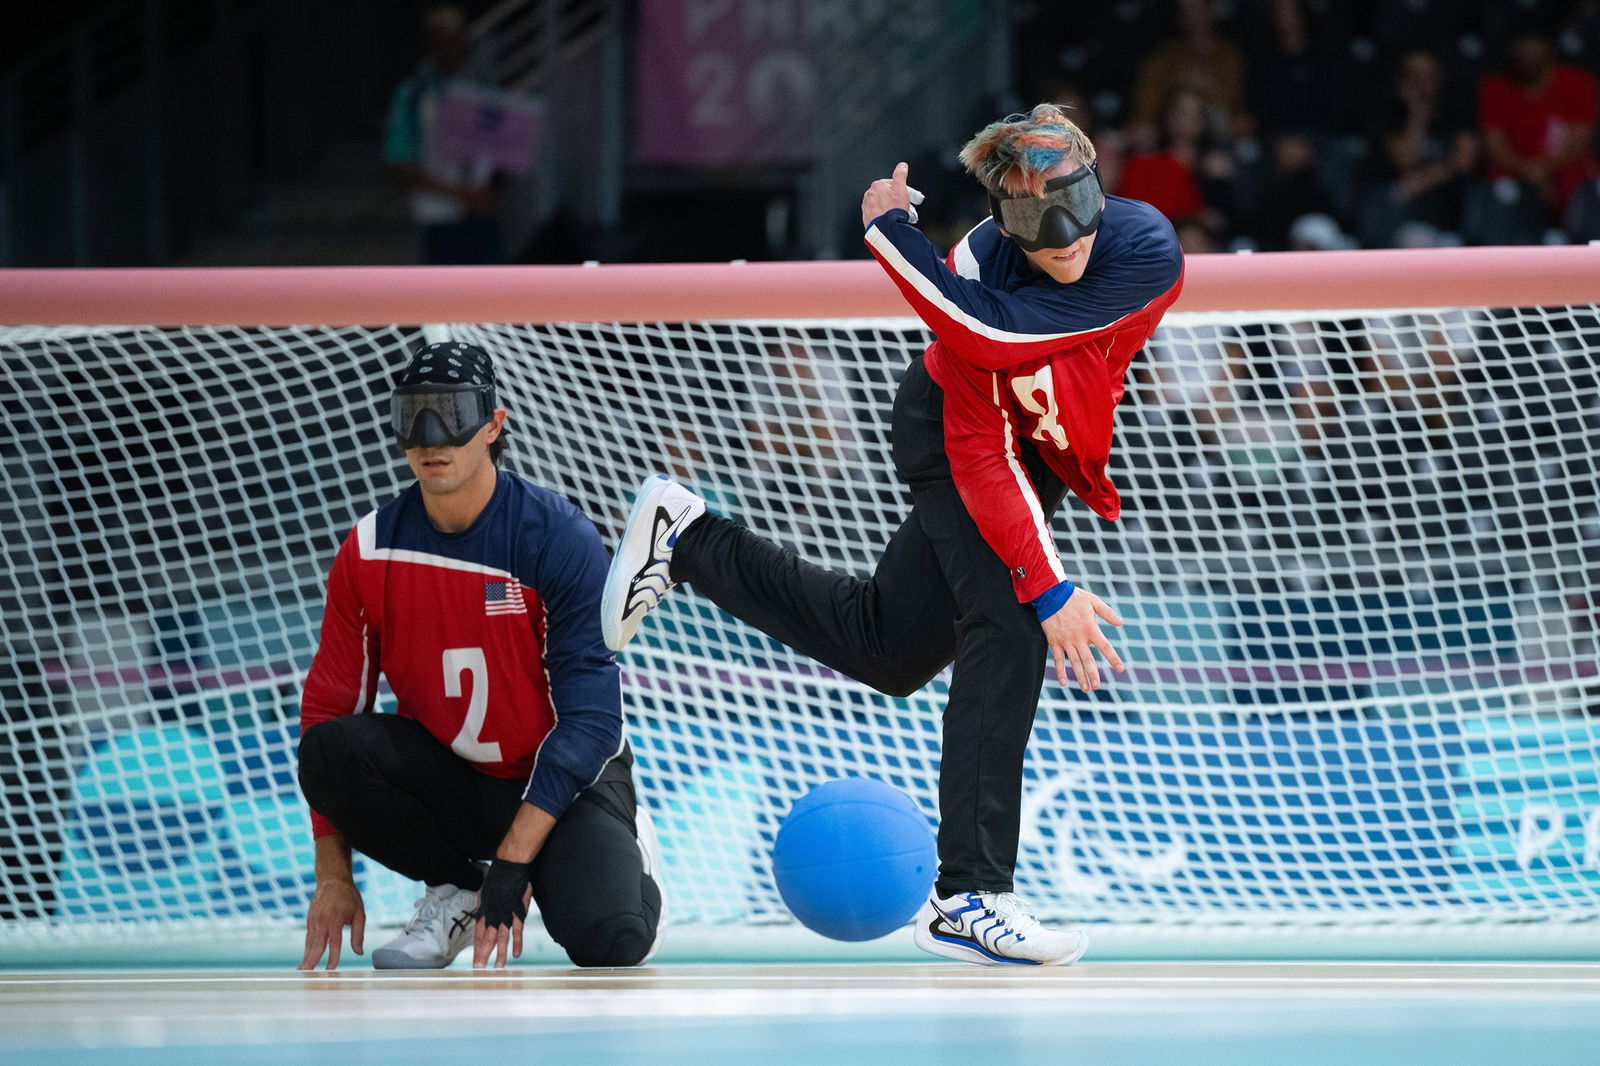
506 1011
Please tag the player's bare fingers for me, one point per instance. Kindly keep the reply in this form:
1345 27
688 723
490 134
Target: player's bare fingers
335 939
358 931
1061 664
502 946
1086 652
1094 667
480 945
1110 653
901 171
314 942
516 939
1106 612
1079 671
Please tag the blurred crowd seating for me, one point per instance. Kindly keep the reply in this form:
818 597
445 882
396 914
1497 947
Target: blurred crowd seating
1316 124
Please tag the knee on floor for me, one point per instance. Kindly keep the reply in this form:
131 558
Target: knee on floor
620 940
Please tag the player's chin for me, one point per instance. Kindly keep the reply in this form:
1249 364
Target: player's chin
1066 267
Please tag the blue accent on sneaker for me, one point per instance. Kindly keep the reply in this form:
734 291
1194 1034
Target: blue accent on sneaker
974 903
980 949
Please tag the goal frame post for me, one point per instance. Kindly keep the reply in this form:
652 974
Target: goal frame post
692 292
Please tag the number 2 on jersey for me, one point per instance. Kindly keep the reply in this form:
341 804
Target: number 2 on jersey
458 661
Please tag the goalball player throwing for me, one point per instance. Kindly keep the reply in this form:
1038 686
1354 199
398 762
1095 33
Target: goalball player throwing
1037 313
476 594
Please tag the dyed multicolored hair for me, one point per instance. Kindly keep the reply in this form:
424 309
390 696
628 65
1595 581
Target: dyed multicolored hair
1012 156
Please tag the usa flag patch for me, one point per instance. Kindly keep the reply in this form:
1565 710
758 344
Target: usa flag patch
503 597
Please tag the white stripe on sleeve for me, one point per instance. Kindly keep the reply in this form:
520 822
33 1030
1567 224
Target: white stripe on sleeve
931 293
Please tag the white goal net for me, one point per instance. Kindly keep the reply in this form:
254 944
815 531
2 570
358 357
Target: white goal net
1360 563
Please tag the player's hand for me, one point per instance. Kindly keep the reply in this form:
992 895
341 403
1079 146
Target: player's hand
502 905
1074 635
334 905
886 194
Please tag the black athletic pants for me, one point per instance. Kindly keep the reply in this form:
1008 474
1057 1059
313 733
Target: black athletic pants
408 802
939 593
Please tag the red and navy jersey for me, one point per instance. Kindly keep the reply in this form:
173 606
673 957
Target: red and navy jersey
1019 354
490 638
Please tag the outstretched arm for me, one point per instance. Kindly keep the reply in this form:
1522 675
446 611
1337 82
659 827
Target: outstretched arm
992 329
980 438
336 903
987 328
343 680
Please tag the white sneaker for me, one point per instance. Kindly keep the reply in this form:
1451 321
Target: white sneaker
446 918
650 851
993 928
640 573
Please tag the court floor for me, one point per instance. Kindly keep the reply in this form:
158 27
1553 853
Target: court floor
1240 1014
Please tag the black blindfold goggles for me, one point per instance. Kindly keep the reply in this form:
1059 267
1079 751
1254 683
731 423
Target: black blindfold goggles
438 416
1069 210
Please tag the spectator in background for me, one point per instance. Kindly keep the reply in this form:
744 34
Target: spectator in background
1194 238
1191 380
1427 151
1197 58
1189 172
1537 120
1289 185
1579 34
1296 83
1441 26
453 200
1417 363
1303 89
1318 232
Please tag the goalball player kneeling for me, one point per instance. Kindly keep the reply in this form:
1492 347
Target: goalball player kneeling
477 594
1037 313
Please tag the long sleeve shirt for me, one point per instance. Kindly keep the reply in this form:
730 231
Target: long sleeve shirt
489 638
1022 356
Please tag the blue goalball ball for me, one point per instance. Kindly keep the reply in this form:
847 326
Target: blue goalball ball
854 859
